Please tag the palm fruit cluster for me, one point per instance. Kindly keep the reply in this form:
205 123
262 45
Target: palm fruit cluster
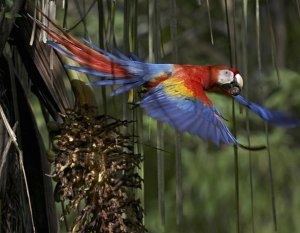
96 173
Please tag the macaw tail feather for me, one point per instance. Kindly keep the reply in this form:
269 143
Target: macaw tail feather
273 117
117 68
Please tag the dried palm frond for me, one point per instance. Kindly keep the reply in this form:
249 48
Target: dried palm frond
15 210
46 71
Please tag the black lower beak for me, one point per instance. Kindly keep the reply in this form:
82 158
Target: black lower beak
233 88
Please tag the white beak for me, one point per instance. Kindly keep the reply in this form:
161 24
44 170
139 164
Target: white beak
239 80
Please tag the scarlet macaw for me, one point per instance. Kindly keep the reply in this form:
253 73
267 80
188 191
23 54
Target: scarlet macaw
175 94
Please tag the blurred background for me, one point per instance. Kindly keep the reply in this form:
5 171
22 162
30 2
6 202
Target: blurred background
189 185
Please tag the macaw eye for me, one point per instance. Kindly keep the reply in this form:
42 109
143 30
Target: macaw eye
227 73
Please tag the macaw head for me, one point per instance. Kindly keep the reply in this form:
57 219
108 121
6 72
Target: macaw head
229 80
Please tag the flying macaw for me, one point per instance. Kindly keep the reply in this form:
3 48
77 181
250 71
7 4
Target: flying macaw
174 94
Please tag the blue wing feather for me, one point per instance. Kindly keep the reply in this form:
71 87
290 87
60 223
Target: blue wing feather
109 82
61 50
127 87
134 57
90 71
203 125
271 116
187 115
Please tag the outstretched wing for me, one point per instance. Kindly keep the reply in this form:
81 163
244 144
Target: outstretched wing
189 111
271 116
